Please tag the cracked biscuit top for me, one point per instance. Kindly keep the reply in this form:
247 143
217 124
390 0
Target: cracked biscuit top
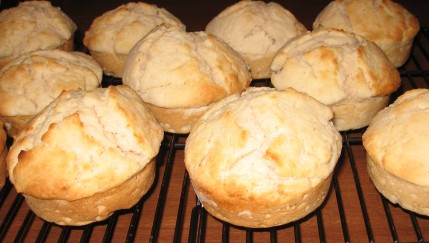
117 31
33 25
384 22
35 79
265 144
83 143
334 67
172 68
256 30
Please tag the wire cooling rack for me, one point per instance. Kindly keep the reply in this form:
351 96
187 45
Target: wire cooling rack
353 211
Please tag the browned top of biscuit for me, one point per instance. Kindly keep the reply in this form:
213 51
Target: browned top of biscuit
397 137
83 143
376 20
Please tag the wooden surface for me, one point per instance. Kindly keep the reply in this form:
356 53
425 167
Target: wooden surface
353 211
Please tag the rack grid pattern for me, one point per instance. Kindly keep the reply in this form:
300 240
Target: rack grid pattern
347 215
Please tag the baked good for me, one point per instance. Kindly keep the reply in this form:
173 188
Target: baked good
345 71
112 35
86 155
34 79
384 22
269 154
34 25
3 154
179 74
396 143
256 30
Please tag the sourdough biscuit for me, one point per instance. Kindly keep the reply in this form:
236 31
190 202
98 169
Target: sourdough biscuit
269 156
33 80
88 154
256 30
384 22
345 71
34 25
179 74
397 151
112 35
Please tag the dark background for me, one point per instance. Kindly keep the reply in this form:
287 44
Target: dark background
195 14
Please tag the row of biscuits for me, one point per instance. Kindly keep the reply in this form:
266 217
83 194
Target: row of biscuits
265 168
255 30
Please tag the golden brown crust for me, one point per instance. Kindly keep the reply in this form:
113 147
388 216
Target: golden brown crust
33 25
83 145
256 30
261 162
396 144
396 137
112 34
384 22
97 207
277 213
339 69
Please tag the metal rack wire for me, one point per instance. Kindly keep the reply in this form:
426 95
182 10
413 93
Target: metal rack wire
147 220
